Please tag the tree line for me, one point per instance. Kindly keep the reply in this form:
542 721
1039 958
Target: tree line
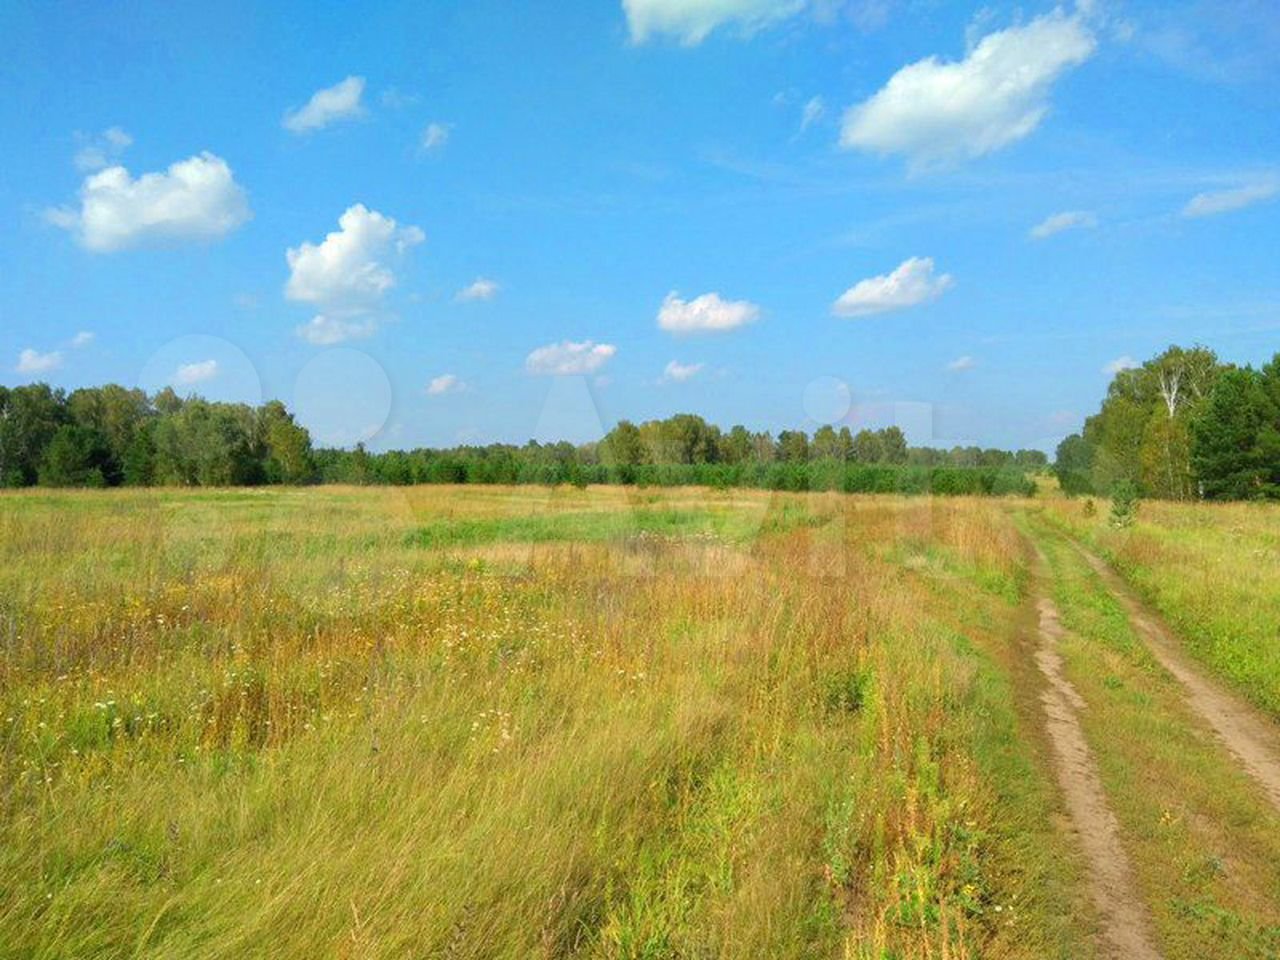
116 436
1181 426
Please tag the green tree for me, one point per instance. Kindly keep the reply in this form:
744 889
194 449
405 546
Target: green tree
893 443
868 447
793 446
1073 465
1235 439
29 417
73 458
288 445
826 443
736 446
623 446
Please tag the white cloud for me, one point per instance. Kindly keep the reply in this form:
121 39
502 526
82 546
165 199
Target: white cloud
676 372
812 113
937 112
1121 363
445 383
339 102
347 274
707 313
1226 201
189 374
962 363
99 151
324 331
481 288
569 357
32 361
82 339
692 20
1067 220
911 283
435 136
195 198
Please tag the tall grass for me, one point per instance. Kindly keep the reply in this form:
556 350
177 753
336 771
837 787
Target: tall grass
500 723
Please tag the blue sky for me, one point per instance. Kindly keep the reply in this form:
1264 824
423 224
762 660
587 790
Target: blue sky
433 223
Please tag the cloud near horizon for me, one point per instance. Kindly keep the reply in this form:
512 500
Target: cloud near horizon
708 313
569 357
33 361
189 374
677 372
1120 364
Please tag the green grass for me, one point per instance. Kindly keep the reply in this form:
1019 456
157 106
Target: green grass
1204 841
1213 572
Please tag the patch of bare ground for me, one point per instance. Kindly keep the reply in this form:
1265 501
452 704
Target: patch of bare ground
1251 737
1126 930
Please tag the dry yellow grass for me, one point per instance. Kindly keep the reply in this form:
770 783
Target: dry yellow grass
512 723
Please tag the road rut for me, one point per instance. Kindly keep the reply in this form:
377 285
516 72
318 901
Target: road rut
1250 736
1126 929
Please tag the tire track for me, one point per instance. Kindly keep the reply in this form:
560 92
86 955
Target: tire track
1251 737
1126 929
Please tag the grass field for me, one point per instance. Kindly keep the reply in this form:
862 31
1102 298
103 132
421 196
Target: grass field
495 722
1213 571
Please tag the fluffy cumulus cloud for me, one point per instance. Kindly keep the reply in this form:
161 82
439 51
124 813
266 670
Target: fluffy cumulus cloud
33 361
690 21
348 274
569 357
960 364
189 374
708 313
1225 201
445 383
1120 364
196 198
481 288
1067 220
677 372
99 151
342 101
937 112
911 283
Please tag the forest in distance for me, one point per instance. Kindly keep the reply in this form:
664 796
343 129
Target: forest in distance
1181 426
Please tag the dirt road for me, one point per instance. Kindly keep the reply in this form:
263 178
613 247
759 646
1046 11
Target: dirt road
1253 738
1126 929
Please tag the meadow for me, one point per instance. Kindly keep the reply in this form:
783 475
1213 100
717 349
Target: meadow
612 722
489 722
